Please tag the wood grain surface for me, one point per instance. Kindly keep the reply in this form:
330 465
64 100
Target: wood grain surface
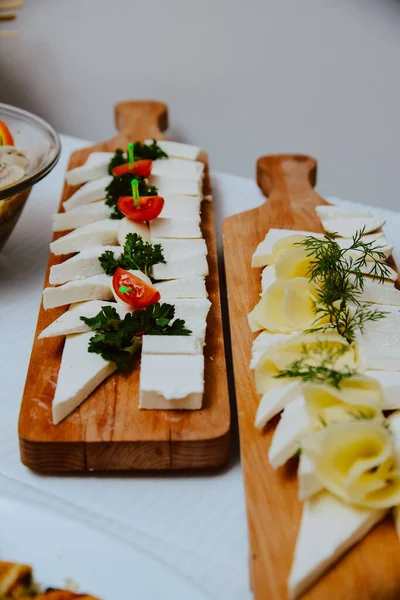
108 431
371 570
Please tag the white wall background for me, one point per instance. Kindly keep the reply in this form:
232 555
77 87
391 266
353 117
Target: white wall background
242 78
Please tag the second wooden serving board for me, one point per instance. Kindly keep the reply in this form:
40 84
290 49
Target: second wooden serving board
108 432
371 570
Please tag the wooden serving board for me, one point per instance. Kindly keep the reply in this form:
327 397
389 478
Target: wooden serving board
108 432
371 570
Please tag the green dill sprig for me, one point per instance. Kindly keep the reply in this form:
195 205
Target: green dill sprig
117 339
137 255
339 277
317 365
121 185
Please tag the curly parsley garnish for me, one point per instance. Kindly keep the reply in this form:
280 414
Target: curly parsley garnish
121 186
117 339
137 255
340 282
141 152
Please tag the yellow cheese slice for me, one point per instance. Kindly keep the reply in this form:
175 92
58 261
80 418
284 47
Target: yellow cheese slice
293 263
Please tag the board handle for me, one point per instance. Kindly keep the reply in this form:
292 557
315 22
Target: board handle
140 119
286 174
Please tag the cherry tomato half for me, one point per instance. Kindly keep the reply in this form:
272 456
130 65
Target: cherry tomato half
149 207
140 167
6 139
133 290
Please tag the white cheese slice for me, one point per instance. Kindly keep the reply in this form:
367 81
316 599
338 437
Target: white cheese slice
309 483
264 341
80 373
377 293
329 211
101 233
268 277
177 185
177 167
127 226
328 529
178 149
171 344
90 192
390 382
287 437
380 349
90 288
87 172
275 400
165 227
99 158
79 266
348 227
186 287
82 215
393 423
70 321
190 308
171 381
181 206
184 258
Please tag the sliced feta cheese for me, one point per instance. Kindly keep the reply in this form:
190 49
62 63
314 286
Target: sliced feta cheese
275 400
171 381
79 266
268 277
287 437
127 226
186 287
181 206
80 373
90 192
390 382
264 341
171 344
380 294
82 215
165 227
380 349
99 158
184 258
190 308
91 288
328 529
87 172
101 233
330 211
177 185
348 227
198 328
309 483
178 167
70 321
178 149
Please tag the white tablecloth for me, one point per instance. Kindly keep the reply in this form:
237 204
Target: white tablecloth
194 523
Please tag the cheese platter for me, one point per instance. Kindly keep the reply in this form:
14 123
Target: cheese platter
314 388
127 370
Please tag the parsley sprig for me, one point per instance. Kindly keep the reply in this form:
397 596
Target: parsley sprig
141 152
137 255
117 339
317 365
338 274
121 186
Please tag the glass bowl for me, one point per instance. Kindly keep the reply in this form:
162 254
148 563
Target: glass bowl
42 145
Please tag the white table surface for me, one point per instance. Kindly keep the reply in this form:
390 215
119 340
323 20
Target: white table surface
195 524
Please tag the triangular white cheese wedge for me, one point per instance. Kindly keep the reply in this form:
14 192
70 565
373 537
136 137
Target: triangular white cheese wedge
87 172
177 185
275 400
287 437
90 192
81 265
127 226
178 167
80 373
328 529
329 211
99 158
80 216
178 149
309 483
101 233
390 382
348 227
97 287
380 348
377 293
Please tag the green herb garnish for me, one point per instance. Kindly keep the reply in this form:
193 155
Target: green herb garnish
340 282
141 152
137 255
117 339
122 186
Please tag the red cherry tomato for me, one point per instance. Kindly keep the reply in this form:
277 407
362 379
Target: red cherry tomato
140 167
133 290
149 207
6 139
